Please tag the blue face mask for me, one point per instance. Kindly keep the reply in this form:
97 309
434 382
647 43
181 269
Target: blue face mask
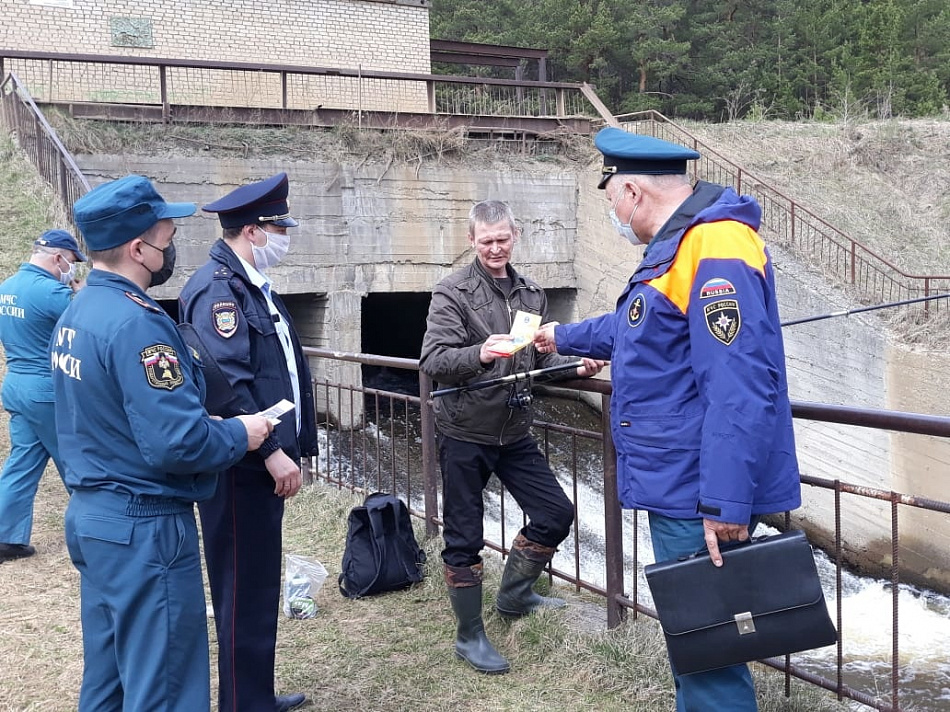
624 229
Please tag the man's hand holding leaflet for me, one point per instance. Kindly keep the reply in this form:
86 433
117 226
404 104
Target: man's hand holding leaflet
522 331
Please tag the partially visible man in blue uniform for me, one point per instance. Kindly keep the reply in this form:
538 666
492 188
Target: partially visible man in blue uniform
700 412
139 450
247 330
30 303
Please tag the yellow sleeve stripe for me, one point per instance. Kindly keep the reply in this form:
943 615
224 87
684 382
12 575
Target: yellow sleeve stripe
725 240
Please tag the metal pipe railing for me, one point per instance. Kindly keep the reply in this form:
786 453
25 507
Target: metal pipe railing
615 592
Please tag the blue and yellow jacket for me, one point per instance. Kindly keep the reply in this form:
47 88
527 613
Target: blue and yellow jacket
700 411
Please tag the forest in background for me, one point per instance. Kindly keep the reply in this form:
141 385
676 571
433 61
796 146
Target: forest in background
719 61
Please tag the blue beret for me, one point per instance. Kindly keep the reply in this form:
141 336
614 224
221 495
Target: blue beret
260 202
61 240
113 213
626 152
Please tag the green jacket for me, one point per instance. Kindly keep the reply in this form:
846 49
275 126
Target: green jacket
466 308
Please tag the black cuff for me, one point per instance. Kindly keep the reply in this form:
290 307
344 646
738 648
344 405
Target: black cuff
268 447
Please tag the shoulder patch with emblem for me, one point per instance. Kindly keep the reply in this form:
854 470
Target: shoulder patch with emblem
224 315
161 367
142 303
723 320
638 310
716 287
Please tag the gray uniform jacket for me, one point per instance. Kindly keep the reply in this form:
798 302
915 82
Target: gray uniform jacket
466 308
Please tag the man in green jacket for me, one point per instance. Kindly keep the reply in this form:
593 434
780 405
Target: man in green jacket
483 431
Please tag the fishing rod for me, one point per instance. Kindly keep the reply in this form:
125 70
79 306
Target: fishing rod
848 312
511 378
528 375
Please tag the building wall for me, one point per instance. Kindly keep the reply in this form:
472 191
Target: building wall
368 35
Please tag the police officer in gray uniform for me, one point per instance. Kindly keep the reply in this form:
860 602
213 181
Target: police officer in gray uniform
31 301
139 451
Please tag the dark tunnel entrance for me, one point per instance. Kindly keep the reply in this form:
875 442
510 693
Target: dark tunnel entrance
393 324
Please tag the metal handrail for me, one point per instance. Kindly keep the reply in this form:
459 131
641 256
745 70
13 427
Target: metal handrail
848 258
618 602
39 141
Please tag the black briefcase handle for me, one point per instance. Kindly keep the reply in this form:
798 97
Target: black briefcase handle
724 546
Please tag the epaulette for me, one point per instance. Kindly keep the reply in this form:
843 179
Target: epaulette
142 303
222 272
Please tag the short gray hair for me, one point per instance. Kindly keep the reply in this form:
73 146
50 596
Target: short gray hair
489 212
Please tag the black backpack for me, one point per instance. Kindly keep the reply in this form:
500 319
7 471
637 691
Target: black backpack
381 552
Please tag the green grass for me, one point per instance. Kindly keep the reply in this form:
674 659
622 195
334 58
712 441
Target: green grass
27 206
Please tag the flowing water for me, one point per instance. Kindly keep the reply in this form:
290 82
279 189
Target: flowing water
369 461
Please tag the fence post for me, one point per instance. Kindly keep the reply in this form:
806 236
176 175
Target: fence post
163 92
853 259
283 90
561 103
429 478
613 523
430 95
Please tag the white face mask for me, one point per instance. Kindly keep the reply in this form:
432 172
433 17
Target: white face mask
624 229
272 252
69 275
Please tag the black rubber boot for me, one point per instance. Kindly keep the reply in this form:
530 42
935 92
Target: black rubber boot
471 643
526 562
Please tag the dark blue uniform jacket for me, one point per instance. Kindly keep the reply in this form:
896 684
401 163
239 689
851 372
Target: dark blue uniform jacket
232 317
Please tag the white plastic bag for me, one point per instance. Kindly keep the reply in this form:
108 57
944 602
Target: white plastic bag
302 579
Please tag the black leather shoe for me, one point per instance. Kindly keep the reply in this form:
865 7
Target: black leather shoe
8 552
289 702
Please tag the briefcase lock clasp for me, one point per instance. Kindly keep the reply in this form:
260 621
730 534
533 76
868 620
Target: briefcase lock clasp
744 623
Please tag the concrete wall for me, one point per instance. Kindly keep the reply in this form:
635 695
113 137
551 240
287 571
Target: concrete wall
366 229
382 35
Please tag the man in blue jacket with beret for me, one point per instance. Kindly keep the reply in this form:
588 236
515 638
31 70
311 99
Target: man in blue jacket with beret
139 450
248 331
31 301
700 413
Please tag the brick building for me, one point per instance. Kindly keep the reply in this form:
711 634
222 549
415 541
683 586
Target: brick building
367 35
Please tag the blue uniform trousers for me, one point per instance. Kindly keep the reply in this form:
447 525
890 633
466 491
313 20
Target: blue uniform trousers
728 688
241 529
522 469
142 592
29 401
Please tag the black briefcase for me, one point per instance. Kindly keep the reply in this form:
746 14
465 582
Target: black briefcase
766 600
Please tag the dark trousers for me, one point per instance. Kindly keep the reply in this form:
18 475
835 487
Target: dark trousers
241 529
522 469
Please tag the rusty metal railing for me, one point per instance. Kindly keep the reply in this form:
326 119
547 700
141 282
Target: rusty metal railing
395 450
39 141
186 90
791 225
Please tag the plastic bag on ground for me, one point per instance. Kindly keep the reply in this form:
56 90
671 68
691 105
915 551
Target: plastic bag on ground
303 577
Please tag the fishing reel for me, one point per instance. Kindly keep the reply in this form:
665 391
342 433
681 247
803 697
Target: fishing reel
520 396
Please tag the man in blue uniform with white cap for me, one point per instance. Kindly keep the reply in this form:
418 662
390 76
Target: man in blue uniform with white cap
30 303
139 450
700 413
248 331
